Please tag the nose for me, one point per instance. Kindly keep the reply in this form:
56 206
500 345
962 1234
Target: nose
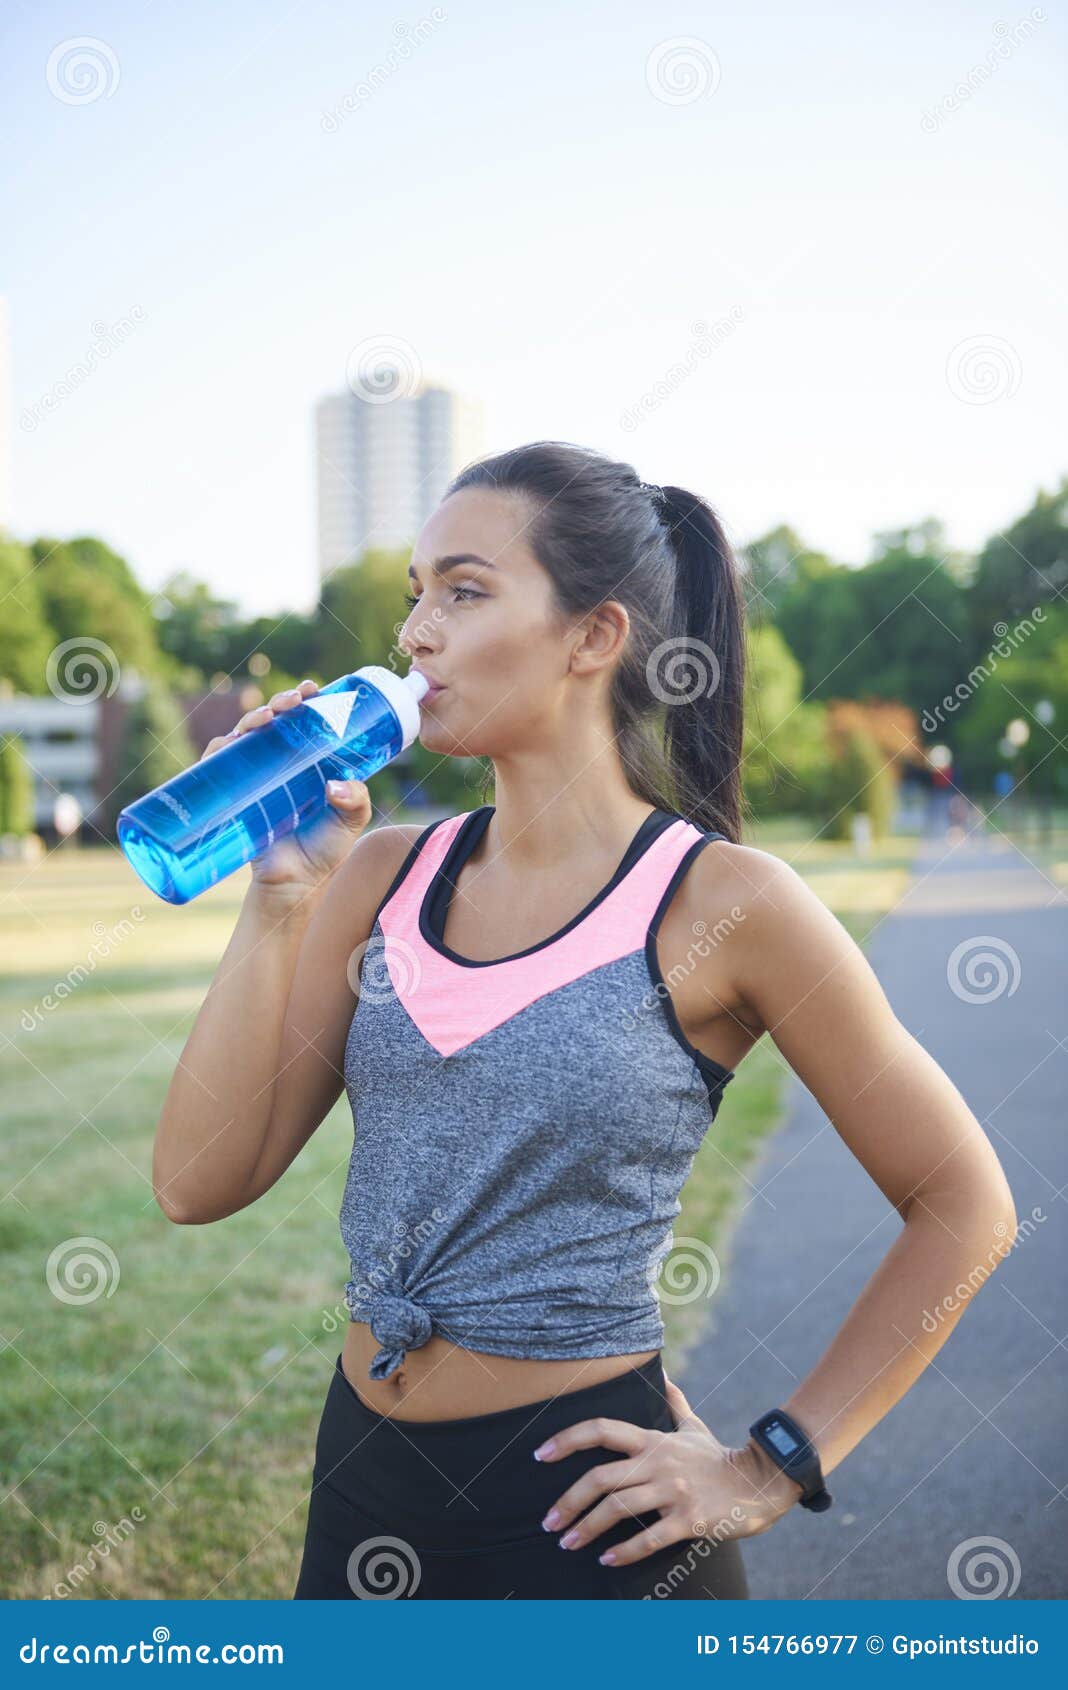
418 634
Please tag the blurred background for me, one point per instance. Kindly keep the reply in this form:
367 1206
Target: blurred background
273 275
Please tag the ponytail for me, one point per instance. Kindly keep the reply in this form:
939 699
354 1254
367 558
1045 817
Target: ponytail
703 726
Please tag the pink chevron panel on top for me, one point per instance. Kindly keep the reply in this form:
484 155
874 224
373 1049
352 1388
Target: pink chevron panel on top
453 1005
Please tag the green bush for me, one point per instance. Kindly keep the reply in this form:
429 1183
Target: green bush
854 780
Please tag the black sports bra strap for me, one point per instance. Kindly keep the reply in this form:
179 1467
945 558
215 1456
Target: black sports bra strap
407 866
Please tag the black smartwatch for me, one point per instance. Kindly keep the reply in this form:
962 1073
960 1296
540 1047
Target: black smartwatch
789 1447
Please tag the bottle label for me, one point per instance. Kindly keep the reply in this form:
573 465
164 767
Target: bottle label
335 708
172 804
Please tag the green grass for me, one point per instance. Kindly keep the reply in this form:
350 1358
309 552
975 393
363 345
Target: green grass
192 1391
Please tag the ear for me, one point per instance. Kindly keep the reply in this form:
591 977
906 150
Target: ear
603 635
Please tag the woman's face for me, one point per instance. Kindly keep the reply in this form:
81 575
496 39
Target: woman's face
484 631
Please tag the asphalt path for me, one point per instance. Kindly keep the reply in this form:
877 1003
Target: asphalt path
963 1486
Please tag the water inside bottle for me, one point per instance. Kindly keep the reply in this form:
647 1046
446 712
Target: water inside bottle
217 815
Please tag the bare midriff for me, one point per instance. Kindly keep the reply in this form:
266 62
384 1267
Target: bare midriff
445 1381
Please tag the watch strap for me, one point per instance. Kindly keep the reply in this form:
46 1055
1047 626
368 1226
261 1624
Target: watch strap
802 1464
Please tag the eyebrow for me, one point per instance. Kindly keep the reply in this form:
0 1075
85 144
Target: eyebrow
442 565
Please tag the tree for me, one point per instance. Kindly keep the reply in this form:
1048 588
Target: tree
193 626
98 559
818 617
290 645
16 788
891 725
25 636
361 611
784 744
86 592
896 628
154 746
925 539
770 567
859 780
1028 684
1025 566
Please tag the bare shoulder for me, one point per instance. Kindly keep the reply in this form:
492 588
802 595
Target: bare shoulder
380 846
360 883
778 928
380 851
744 880
783 961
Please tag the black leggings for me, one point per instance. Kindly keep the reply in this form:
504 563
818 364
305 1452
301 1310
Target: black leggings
452 1509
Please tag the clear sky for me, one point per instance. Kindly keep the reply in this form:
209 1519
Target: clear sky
864 207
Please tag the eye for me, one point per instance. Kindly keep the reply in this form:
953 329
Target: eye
464 594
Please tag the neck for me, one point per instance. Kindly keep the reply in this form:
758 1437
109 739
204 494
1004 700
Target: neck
548 807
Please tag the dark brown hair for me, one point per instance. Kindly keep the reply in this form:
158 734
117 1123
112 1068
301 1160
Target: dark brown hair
601 533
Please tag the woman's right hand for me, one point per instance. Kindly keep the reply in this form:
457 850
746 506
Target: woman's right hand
302 861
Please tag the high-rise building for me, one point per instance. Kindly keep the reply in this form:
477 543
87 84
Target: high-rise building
382 467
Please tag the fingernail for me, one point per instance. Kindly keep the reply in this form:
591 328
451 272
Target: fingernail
607 1558
335 788
569 1539
552 1519
545 1449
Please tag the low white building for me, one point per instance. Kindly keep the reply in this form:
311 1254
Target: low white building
61 744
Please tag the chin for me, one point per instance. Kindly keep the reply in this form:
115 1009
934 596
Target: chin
437 738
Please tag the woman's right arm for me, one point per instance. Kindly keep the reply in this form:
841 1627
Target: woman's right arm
263 1064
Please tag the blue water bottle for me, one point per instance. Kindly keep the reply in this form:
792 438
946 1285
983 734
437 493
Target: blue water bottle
220 813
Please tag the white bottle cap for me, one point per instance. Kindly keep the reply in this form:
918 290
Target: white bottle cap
402 692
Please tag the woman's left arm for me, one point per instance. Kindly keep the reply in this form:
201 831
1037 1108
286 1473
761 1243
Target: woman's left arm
794 971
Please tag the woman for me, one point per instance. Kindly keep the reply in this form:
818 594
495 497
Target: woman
542 1036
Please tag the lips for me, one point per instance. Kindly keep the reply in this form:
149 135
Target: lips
432 687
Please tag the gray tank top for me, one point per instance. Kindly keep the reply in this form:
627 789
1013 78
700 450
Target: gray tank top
523 1127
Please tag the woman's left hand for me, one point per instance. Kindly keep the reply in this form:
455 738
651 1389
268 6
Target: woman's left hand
702 1488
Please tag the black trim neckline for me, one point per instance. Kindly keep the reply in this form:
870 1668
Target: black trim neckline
433 910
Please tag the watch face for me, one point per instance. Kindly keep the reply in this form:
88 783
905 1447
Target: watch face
784 1442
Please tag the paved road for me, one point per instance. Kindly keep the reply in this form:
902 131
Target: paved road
977 1448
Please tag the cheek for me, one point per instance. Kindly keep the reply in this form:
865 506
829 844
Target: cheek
505 660
503 679
517 668
514 635
486 646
